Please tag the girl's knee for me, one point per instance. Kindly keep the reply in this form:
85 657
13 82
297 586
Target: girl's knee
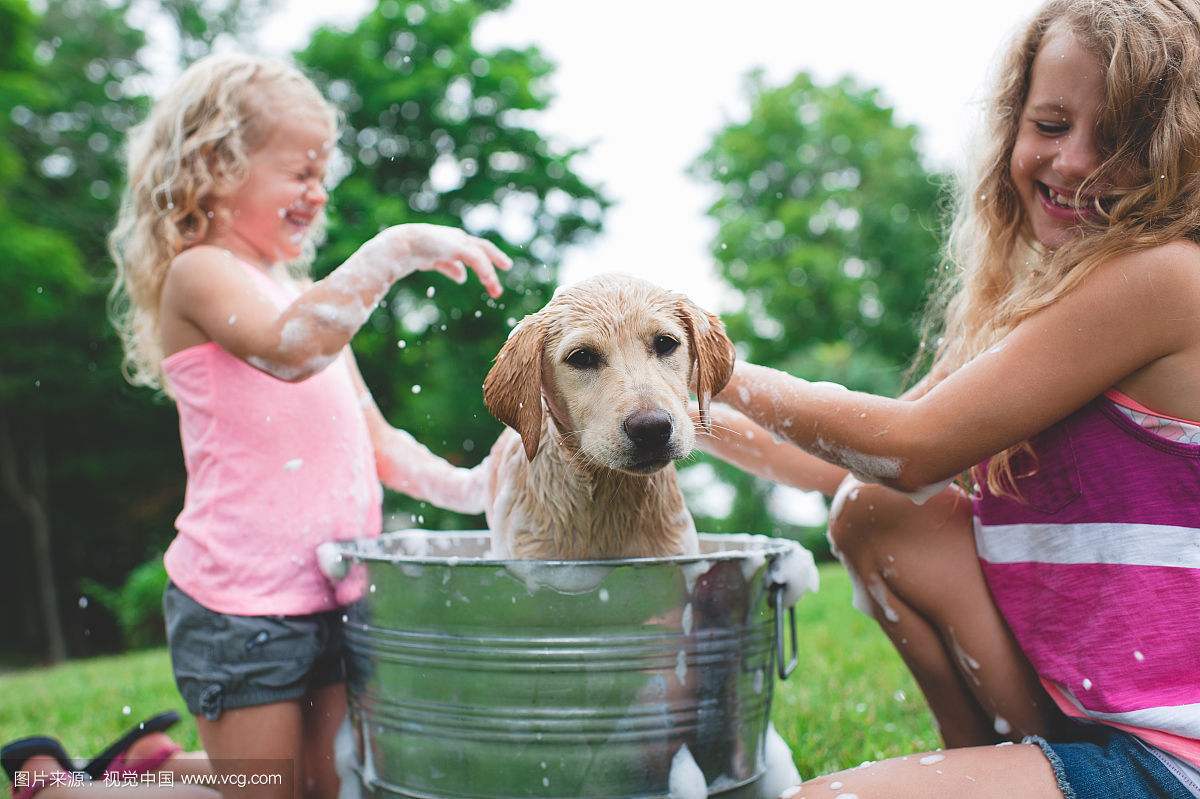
866 518
858 512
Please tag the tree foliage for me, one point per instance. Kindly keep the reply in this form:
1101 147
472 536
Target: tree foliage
102 459
828 225
437 131
70 434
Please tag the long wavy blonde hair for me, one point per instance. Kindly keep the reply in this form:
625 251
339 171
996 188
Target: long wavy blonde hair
994 274
195 146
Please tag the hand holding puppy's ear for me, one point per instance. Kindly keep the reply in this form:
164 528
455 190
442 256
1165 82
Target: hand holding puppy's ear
512 390
712 353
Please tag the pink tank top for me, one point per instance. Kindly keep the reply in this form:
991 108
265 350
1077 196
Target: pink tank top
1096 569
274 469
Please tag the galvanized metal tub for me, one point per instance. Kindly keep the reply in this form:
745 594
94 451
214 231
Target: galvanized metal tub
476 677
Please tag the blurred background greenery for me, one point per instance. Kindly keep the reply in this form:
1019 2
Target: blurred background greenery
827 230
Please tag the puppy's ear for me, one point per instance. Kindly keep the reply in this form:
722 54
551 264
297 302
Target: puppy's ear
712 353
512 390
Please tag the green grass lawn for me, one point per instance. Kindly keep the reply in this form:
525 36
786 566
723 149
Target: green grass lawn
849 700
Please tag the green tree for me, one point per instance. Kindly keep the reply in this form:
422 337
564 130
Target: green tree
436 131
828 225
74 437
199 27
90 471
35 255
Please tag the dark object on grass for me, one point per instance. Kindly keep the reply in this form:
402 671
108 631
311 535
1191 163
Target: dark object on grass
100 763
14 754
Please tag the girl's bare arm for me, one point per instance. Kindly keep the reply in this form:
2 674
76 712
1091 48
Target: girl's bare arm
1128 314
736 439
405 465
210 297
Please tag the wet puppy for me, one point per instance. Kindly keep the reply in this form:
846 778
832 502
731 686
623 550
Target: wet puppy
594 389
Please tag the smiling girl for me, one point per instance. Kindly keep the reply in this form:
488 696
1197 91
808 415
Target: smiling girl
1056 603
284 447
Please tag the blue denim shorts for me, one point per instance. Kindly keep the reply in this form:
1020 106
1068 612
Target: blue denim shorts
223 661
1108 763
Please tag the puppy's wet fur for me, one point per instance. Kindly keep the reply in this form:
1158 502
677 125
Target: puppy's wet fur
594 389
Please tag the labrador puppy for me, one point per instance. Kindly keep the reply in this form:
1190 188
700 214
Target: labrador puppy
594 388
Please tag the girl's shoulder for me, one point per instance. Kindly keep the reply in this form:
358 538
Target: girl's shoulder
199 256
204 269
1178 259
1166 277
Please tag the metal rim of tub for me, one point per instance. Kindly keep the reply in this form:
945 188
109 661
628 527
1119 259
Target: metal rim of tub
367 550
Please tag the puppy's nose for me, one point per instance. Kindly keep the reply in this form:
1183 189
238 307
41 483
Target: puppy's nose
648 429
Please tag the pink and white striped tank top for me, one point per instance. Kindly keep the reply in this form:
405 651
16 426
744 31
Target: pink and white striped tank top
1096 569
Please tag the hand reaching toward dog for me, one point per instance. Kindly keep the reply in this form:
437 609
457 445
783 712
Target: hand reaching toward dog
206 287
404 249
405 465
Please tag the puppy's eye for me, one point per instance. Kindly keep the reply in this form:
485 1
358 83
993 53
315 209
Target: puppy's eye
583 359
665 345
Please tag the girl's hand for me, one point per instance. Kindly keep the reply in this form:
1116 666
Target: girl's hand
422 247
209 296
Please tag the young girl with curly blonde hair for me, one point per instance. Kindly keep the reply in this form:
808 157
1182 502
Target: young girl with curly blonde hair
1056 604
284 447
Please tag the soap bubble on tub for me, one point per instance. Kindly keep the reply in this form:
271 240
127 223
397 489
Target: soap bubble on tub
568 579
781 772
693 572
686 780
330 561
345 762
796 570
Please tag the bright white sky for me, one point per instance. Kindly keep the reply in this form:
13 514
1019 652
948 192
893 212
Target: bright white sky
648 82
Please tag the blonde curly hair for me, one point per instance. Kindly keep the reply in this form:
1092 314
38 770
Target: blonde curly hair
195 146
994 274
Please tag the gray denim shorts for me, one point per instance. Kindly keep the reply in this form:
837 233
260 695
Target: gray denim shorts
223 661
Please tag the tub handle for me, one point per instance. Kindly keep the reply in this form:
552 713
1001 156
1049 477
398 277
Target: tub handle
780 643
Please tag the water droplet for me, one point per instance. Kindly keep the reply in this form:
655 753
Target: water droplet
416 389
